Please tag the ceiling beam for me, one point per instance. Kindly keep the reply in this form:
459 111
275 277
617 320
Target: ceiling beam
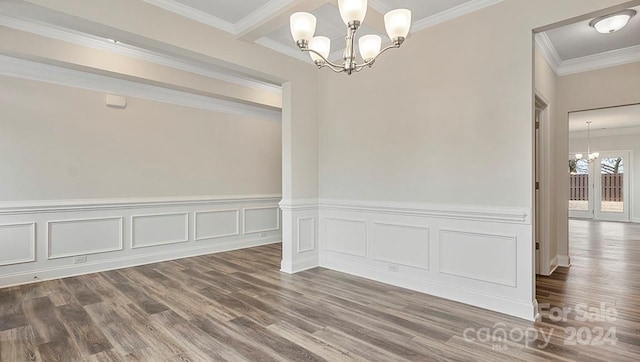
274 21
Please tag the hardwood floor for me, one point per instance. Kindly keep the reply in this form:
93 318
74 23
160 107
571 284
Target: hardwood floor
237 306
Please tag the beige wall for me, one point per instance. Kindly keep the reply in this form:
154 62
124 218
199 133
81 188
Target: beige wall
60 142
447 118
583 91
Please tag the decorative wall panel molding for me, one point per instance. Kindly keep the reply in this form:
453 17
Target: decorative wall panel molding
74 237
261 219
306 234
216 224
483 257
346 236
402 244
54 239
159 229
17 243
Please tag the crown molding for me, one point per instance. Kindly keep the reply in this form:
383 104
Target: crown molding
193 14
449 14
587 63
548 51
95 42
260 14
598 61
609 132
26 69
281 48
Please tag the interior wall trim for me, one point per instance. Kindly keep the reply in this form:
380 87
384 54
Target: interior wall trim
26 69
461 212
36 207
458 11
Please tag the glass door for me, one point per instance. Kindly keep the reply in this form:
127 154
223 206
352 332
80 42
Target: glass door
612 186
580 188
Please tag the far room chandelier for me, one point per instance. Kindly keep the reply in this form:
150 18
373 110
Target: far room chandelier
303 27
612 22
590 156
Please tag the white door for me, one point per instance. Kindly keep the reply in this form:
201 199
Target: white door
611 182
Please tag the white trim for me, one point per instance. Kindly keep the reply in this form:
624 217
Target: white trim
208 237
609 132
166 242
548 51
462 212
300 265
438 289
194 14
244 219
553 264
587 63
88 252
38 275
449 14
599 61
313 232
636 219
564 261
260 14
298 204
25 69
34 207
32 244
96 42
283 49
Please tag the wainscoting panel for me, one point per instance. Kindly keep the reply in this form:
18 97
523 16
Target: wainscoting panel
478 256
346 236
53 239
153 230
459 251
401 244
262 219
306 234
17 243
216 224
68 238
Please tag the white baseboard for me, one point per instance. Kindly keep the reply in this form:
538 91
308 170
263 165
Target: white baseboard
39 275
44 240
491 302
564 261
553 265
299 265
636 220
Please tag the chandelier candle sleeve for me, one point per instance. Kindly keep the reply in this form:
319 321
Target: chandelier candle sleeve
303 26
352 10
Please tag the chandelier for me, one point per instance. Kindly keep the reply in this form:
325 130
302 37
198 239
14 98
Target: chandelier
303 27
590 156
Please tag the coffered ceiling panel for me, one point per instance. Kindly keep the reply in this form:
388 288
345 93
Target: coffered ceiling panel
421 9
230 11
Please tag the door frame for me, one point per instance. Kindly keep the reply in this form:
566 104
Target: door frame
541 193
598 214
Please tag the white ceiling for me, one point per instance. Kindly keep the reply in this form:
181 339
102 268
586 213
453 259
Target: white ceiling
229 11
607 118
578 47
421 9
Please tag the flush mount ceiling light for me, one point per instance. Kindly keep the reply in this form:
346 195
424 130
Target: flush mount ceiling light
613 22
303 26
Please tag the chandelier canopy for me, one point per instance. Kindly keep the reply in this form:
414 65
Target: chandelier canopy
303 26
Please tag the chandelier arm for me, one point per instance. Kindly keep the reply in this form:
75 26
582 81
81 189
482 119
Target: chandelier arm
371 61
327 62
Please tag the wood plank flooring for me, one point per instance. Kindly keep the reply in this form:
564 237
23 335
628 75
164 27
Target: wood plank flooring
237 306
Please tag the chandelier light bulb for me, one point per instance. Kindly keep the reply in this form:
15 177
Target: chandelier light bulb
613 22
397 22
578 156
322 45
303 26
352 10
370 46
